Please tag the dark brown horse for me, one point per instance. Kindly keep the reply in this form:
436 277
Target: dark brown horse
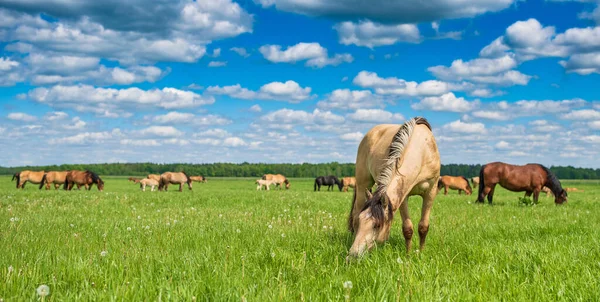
529 178
85 178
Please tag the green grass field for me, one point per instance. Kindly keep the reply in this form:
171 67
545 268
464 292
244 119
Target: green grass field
226 241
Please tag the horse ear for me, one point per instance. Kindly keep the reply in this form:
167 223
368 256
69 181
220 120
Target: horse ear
369 194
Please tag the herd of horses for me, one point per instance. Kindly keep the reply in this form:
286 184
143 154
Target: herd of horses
393 162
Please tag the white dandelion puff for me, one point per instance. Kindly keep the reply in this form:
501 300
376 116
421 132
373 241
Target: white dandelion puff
139 217
147 227
220 215
72 225
399 260
270 226
168 224
348 285
238 231
272 255
129 229
282 235
103 253
43 290
10 269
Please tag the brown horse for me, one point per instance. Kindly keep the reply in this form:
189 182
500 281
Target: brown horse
348 182
83 178
154 176
34 177
475 181
174 178
54 177
404 161
459 183
278 180
198 178
135 180
529 178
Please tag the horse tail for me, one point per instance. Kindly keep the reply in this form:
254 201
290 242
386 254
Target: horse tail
316 184
440 183
481 184
43 181
17 176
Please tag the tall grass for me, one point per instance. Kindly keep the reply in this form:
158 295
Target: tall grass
226 241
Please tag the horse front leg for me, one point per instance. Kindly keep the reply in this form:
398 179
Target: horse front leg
536 195
445 190
407 226
180 187
428 199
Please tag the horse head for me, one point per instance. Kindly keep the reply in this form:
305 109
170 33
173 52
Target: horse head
374 222
561 197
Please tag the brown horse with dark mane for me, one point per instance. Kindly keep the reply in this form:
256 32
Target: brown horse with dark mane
83 178
403 160
174 178
459 183
530 178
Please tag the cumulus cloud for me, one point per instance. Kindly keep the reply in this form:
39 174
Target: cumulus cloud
463 127
82 138
314 54
289 91
217 63
240 51
20 116
400 87
370 34
483 70
346 99
491 115
584 114
105 101
408 11
375 116
175 117
445 102
161 131
294 117
255 108
352 136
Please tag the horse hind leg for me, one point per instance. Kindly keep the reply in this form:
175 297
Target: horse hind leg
424 222
181 187
490 195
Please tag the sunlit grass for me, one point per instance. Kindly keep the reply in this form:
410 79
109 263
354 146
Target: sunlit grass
226 241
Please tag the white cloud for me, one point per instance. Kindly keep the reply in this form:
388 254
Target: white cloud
82 138
234 142
103 101
482 70
255 108
314 54
584 114
370 34
289 91
583 64
140 142
292 117
240 51
56 115
446 102
20 116
175 117
217 63
353 136
216 53
399 87
408 11
503 145
375 116
162 131
346 99
7 64
491 115
462 127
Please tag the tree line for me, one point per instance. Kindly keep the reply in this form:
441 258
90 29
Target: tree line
258 169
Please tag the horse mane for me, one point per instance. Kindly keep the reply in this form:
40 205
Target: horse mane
286 181
377 202
187 176
552 182
466 180
95 178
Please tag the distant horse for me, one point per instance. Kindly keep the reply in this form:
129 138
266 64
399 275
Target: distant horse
278 180
34 177
547 191
148 182
529 178
154 176
459 183
573 190
198 178
348 182
475 181
174 178
83 178
328 181
404 161
260 183
134 179
54 177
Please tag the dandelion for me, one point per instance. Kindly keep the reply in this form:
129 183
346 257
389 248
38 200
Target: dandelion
103 253
331 227
11 269
175 221
129 229
325 227
348 284
220 215
282 235
417 251
12 219
238 231
168 224
72 225
272 255
399 260
104 235
270 226
139 217
43 290
147 227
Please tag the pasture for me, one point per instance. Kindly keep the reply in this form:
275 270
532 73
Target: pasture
226 241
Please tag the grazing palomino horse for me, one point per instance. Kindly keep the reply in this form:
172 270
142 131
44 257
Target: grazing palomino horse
475 181
547 191
83 178
348 182
529 178
260 183
277 179
198 178
573 190
154 176
174 178
328 181
404 161
459 183
54 177
147 182
34 177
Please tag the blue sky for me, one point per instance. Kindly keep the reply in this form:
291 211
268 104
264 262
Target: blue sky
296 80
